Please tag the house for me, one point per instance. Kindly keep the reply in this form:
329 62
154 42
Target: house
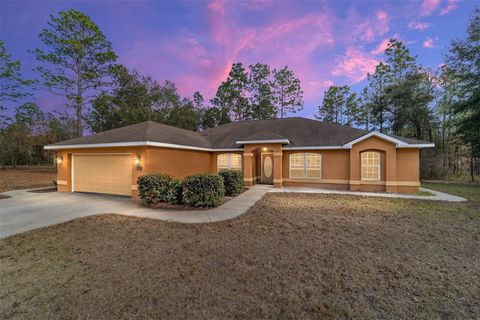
280 152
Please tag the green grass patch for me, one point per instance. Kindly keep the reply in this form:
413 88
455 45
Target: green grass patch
468 191
424 193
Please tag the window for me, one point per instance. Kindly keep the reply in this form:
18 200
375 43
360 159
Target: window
370 165
229 161
305 165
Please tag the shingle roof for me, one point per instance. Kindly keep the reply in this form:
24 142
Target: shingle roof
301 132
144 131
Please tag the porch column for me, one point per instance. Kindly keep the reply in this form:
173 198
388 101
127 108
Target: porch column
277 169
247 169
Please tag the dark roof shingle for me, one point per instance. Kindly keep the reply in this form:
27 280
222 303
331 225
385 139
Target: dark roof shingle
144 131
301 132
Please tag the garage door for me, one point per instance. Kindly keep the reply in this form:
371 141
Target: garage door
110 174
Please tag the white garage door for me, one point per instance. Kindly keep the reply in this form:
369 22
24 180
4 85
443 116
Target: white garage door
111 174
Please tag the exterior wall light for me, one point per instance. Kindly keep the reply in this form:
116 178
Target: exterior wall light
264 149
59 159
138 158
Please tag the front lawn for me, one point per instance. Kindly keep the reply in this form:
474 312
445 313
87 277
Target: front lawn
469 191
291 256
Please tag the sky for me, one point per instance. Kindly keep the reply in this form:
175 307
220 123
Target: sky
194 43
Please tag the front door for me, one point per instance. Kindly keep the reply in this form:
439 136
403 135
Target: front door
267 168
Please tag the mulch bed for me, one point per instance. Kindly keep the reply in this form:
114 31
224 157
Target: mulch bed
292 256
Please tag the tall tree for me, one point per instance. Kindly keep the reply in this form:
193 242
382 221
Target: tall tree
377 99
129 101
288 94
77 60
464 58
12 86
198 100
213 117
261 93
339 106
231 95
412 97
184 115
399 63
364 110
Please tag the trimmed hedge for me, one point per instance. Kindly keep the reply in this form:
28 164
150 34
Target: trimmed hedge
203 190
233 181
156 188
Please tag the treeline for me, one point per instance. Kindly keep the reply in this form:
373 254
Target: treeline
401 97
77 62
406 99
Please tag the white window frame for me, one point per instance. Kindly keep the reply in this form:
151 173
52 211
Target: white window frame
379 166
304 166
229 155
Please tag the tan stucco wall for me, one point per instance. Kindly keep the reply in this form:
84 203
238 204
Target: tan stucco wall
400 168
177 162
335 164
388 165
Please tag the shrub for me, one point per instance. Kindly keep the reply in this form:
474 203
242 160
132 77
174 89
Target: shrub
156 188
203 190
233 181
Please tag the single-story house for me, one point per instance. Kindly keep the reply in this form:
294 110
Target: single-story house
280 152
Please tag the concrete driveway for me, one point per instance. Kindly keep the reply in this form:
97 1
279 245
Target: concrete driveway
26 210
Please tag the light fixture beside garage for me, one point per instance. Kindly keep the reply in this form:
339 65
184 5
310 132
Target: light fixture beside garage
138 158
59 159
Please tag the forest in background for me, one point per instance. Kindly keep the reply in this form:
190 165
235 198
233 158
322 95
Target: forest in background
401 97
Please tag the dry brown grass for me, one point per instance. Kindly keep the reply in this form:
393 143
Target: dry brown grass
12 179
290 256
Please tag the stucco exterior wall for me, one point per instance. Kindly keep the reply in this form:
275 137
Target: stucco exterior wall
400 167
408 170
335 170
178 163
387 165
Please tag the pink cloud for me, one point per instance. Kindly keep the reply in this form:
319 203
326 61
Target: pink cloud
382 16
368 29
191 52
451 5
355 65
428 43
381 47
278 43
428 7
256 4
415 25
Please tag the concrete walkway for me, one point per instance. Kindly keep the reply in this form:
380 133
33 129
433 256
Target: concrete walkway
26 210
437 195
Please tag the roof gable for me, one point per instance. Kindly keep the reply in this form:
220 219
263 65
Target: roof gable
395 140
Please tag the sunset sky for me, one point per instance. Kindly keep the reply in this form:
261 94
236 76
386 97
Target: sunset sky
194 43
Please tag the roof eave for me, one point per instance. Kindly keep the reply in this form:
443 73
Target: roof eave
282 141
398 143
